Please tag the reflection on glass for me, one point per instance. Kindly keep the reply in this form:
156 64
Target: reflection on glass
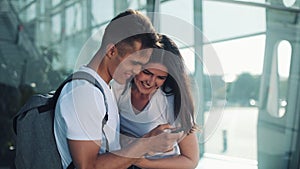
273 104
277 102
136 4
56 27
70 20
284 61
42 7
103 15
55 2
31 12
189 59
78 17
73 19
289 3
242 62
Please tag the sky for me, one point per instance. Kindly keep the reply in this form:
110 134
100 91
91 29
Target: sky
241 55
232 20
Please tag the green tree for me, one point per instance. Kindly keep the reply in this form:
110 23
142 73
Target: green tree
244 88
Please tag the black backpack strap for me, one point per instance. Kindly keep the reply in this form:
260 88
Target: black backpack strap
71 165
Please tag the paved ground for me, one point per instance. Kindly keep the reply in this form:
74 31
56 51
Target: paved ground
239 149
215 162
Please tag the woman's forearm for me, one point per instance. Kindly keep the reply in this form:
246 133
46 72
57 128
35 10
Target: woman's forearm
188 158
176 162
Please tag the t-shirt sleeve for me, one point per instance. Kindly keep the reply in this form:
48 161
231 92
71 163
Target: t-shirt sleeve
83 110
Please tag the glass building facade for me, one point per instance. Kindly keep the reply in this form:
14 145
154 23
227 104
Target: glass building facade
243 57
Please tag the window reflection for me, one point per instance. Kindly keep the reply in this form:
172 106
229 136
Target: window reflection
289 3
55 2
284 61
31 12
104 14
73 19
56 27
277 94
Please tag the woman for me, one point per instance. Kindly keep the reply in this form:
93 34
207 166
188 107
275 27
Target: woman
160 96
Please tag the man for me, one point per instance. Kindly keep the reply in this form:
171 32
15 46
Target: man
126 46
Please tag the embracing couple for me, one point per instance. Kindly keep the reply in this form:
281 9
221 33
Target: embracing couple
150 121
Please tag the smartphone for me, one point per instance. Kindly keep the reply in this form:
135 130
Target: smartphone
178 130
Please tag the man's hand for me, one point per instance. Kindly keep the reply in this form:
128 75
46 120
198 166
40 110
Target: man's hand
158 140
126 139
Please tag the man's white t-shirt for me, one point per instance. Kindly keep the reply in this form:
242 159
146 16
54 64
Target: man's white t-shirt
79 112
159 110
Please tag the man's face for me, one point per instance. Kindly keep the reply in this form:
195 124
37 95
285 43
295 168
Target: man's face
131 64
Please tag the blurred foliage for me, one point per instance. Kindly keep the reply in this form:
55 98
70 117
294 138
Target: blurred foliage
244 88
240 91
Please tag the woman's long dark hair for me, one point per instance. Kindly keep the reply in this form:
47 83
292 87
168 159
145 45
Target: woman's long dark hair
177 82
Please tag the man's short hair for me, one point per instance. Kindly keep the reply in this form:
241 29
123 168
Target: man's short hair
128 27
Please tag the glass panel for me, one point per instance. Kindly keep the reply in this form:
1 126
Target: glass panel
70 20
137 4
272 103
31 12
242 62
289 3
56 27
240 51
171 8
42 7
255 1
78 17
189 59
277 102
106 12
42 38
170 19
173 21
73 19
237 34
55 2
26 2
284 62
231 20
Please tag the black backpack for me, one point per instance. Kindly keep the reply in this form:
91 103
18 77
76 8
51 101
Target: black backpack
33 125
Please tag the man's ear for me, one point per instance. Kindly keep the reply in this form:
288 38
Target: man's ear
111 50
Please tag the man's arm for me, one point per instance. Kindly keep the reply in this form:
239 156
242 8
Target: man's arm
85 153
85 156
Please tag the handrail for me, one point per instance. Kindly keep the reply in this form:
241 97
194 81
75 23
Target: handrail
263 5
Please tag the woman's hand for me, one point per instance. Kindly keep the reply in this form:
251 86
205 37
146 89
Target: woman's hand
158 130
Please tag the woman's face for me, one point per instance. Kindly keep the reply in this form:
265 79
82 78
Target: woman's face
151 78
